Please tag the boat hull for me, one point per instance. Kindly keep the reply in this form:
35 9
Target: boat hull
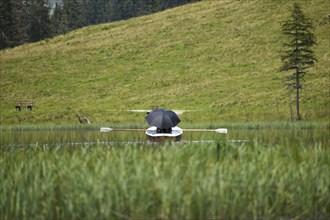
175 135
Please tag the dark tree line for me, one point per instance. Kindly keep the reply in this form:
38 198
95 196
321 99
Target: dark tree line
23 21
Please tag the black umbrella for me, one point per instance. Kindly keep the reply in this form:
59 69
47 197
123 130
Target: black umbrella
162 118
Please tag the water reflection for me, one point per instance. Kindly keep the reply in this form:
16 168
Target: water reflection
92 137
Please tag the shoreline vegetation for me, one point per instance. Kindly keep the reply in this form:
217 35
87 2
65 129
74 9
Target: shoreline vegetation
233 125
186 181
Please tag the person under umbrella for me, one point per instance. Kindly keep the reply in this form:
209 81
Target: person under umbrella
163 119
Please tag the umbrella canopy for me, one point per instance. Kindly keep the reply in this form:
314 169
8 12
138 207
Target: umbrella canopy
163 118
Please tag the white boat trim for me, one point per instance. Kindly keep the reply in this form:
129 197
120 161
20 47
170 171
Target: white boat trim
176 131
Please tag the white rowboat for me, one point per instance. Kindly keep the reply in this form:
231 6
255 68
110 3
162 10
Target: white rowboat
153 135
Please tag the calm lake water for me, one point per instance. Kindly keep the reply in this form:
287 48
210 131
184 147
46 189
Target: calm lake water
91 137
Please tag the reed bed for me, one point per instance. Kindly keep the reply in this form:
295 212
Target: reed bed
165 181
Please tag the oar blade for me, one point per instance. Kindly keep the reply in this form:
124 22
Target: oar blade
105 129
221 130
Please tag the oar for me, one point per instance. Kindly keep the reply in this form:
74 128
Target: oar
219 130
107 129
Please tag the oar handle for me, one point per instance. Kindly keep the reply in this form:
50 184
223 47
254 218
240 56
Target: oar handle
219 130
107 129
129 129
191 129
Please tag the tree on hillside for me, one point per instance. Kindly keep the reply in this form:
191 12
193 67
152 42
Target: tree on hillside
6 24
297 54
13 23
21 17
23 21
74 14
39 21
57 21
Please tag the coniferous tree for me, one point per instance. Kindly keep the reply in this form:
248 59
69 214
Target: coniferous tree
14 23
153 6
91 12
39 20
73 16
6 24
21 11
103 11
114 10
126 9
297 54
57 21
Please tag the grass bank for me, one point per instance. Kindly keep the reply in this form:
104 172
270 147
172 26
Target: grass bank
186 181
219 58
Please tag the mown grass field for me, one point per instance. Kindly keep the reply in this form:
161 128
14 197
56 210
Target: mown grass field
219 58
170 181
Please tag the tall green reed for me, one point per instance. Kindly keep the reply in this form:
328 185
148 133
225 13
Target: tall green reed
181 181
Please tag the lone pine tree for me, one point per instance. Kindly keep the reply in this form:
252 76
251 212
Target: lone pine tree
297 54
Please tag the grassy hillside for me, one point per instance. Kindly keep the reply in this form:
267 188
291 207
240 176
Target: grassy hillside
219 58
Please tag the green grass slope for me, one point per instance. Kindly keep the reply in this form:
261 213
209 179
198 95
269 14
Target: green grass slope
219 58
